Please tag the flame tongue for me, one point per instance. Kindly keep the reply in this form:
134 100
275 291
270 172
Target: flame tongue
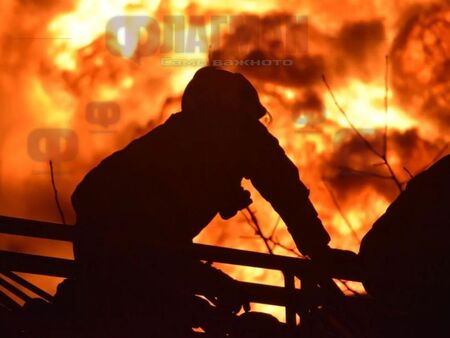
56 64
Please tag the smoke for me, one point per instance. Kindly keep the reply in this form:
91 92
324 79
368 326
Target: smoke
421 68
23 42
355 48
40 91
353 167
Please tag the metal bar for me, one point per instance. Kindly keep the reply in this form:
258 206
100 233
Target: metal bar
19 262
59 267
289 285
11 288
63 267
31 228
299 267
25 227
26 284
268 294
250 258
7 302
286 296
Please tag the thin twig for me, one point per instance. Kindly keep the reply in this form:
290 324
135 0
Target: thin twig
286 248
55 192
365 141
250 237
437 156
341 212
408 172
257 229
364 173
349 288
394 176
386 91
275 226
253 222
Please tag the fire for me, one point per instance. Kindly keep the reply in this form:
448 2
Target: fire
364 104
63 73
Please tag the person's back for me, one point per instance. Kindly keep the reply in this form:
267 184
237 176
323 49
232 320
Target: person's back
162 188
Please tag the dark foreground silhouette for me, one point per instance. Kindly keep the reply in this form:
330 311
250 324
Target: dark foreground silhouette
149 200
139 209
406 255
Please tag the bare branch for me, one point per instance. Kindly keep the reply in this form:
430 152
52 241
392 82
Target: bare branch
386 92
55 192
349 288
408 172
258 230
253 222
365 173
341 212
275 226
394 176
293 250
382 156
366 142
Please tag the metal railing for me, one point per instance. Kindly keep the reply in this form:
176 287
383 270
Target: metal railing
287 296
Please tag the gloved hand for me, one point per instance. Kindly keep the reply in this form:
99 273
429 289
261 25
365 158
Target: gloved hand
336 260
238 199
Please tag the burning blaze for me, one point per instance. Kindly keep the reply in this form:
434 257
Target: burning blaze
57 60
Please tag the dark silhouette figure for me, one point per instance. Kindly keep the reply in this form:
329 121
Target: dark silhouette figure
406 256
146 202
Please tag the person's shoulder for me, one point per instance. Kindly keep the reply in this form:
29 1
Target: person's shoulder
175 120
177 117
258 132
155 132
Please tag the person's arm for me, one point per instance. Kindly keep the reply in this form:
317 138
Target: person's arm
274 175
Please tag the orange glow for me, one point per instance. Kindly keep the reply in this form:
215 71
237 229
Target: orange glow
47 83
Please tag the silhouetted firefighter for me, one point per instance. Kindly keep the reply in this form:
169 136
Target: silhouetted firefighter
146 202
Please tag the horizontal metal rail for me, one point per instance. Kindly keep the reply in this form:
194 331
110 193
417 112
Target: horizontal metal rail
39 229
40 265
47 230
27 285
287 296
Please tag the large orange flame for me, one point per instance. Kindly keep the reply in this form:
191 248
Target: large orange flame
55 63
